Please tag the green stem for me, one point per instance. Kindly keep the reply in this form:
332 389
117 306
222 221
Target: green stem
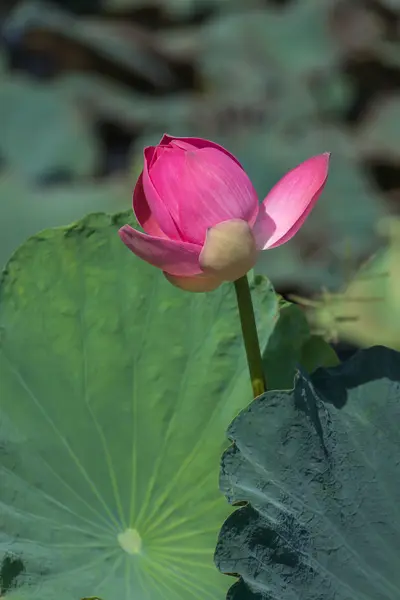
250 337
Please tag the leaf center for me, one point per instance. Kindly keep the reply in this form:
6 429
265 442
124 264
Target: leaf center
130 541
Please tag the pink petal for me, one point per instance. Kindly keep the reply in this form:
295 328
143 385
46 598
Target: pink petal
143 212
198 143
290 202
159 210
202 188
149 155
174 257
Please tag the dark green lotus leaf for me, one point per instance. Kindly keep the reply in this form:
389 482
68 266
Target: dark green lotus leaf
291 344
322 485
116 391
285 346
317 352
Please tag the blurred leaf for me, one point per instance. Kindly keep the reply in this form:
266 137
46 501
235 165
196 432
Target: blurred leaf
178 9
248 46
356 26
388 52
41 133
380 133
181 43
393 4
133 110
25 210
127 45
367 311
123 5
333 94
3 64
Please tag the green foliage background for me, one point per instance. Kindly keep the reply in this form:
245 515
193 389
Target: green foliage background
85 85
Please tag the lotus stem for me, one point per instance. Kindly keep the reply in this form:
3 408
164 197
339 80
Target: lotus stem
250 336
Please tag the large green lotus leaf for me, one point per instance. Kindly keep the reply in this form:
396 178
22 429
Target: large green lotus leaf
319 469
118 388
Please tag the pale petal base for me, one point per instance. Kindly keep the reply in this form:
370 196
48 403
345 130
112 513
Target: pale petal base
229 251
198 283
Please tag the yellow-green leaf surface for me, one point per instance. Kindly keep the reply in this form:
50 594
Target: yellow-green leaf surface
367 311
116 391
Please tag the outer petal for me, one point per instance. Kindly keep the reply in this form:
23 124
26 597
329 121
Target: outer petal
202 188
198 143
157 207
290 202
143 212
175 257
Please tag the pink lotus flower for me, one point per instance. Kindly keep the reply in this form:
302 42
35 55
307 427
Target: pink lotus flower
201 216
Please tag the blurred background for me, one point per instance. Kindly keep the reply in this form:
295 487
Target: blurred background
85 84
